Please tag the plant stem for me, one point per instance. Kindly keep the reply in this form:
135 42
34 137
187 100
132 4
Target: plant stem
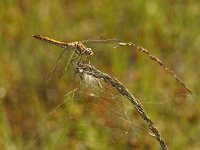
91 70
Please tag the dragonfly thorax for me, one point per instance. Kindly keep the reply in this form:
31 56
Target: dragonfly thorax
82 50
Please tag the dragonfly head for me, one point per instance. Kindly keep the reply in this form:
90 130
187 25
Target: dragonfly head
88 52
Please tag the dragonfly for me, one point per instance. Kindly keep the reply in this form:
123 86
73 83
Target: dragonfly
77 47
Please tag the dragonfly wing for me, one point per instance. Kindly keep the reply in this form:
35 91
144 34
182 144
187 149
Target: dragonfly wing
56 65
67 64
99 40
94 38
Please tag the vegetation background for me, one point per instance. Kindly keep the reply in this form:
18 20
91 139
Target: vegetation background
169 29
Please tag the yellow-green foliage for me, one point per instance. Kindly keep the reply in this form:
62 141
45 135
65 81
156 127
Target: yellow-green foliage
28 118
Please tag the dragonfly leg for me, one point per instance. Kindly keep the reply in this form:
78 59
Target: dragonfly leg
80 59
75 58
88 59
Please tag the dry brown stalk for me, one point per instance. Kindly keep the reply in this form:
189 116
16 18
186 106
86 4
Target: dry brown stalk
92 71
178 79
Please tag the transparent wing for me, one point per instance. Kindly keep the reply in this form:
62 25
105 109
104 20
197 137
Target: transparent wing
67 64
94 38
99 40
56 65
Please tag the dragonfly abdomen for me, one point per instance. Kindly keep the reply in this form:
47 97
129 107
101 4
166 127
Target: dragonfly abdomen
51 41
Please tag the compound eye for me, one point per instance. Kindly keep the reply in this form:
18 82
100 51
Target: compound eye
89 51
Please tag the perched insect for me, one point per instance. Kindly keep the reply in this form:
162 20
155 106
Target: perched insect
77 47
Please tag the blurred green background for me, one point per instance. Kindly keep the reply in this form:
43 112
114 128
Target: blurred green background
28 115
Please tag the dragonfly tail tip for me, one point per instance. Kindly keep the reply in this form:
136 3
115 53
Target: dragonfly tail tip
35 36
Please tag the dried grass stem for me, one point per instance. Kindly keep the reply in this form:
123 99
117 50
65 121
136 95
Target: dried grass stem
91 70
178 79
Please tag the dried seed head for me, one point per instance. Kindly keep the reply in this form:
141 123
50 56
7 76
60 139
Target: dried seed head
89 79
